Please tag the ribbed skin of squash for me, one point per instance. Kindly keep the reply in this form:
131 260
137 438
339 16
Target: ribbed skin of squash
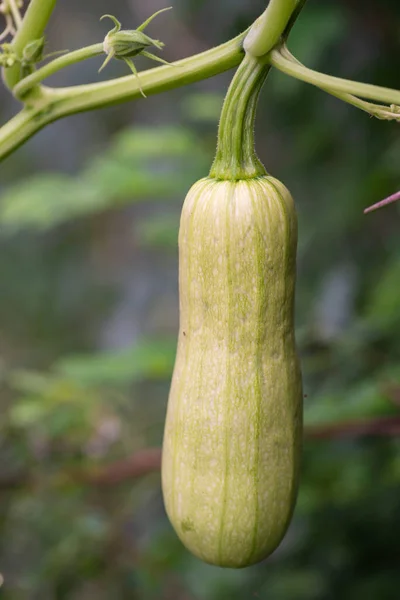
233 431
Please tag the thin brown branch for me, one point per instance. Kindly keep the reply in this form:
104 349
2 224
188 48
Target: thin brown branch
141 463
385 202
382 426
148 460
15 481
393 394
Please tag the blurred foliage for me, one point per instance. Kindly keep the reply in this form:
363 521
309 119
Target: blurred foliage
90 253
139 164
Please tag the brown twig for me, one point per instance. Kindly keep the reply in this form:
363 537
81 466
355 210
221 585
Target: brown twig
15 481
393 394
148 460
389 200
141 463
382 426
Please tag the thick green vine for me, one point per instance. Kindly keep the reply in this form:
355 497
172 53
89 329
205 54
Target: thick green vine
236 158
43 105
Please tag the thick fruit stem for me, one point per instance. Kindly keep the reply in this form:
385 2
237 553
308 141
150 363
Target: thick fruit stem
236 157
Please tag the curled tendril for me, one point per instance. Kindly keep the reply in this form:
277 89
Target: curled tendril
9 28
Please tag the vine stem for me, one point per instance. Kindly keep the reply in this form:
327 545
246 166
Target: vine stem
268 28
299 71
32 27
45 105
34 79
376 110
236 157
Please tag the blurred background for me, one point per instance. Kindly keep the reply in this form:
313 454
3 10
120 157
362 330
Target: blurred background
89 213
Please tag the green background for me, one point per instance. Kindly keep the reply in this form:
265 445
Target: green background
89 214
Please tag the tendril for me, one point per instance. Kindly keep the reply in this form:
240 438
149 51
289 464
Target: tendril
10 10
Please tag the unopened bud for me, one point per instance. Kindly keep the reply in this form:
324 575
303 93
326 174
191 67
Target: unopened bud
8 58
126 43
33 52
123 43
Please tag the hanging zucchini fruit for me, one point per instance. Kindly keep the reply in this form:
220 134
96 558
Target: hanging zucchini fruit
233 431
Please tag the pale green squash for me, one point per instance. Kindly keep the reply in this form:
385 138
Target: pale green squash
233 432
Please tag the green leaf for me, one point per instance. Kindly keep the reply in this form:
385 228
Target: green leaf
158 232
141 163
203 106
383 303
363 400
153 142
27 413
46 200
126 183
147 359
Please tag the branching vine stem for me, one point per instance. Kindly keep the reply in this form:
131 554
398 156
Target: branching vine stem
268 28
376 110
279 60
31 81
32 27
43 105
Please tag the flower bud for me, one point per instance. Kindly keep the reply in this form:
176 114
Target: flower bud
128 43
8 58
125 43
33 52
